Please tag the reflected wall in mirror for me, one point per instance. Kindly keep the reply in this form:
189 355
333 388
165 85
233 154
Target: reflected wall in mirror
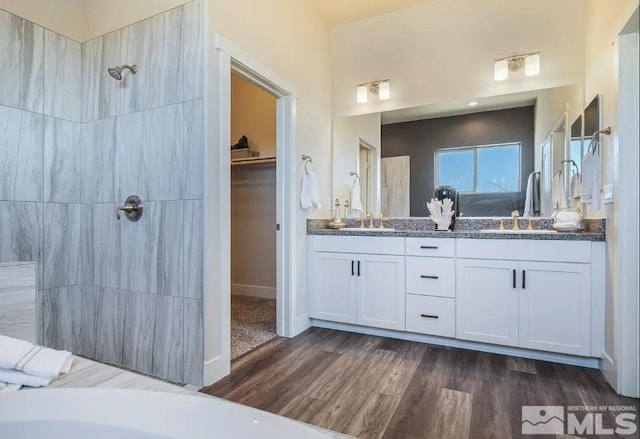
485 156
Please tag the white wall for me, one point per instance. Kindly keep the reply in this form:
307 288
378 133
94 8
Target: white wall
103 16
83 20
443 51
604 21
62 16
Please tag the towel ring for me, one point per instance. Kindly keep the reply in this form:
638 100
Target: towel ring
307 160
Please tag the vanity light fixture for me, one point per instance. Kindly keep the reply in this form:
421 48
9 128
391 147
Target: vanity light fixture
530 61
380 88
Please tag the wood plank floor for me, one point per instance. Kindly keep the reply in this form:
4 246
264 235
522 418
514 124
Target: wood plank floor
375 387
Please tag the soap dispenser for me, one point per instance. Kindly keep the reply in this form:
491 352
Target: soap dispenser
337 222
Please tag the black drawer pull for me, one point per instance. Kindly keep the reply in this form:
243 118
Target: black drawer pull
424 276
429 247
523 279
514 278
429 316
358 268
352 269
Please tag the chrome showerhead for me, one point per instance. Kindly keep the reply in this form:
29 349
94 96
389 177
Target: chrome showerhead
116 72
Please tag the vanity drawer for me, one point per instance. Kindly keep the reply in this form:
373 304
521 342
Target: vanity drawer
430 315
440 247
430 276
381 245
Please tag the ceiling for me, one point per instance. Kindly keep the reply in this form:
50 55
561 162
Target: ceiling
455 108
338 12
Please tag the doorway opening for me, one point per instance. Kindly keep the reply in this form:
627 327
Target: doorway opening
221 62
253 215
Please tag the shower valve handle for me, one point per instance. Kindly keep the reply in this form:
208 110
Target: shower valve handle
132 208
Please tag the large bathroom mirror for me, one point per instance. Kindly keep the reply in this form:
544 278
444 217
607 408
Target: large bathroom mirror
487 151
592 122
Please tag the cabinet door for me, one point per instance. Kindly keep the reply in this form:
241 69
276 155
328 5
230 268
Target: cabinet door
555 307
487 301
381 291
333 286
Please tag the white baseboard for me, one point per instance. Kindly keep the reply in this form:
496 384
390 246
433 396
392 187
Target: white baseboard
300 324
609 370
214 370
253 291
593 363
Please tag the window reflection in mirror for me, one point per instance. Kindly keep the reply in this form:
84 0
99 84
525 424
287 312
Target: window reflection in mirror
479 169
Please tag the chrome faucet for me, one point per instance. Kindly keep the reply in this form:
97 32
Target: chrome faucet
514 217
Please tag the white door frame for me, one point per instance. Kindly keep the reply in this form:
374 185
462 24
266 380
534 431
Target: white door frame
222 58
628 382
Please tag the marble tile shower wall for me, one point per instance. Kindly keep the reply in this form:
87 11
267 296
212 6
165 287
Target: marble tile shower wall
74 143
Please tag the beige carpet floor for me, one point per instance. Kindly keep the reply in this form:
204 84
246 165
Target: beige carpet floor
253 323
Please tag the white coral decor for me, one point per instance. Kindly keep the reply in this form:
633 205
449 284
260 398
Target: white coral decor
441 212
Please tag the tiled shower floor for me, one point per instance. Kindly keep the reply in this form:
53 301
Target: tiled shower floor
253 322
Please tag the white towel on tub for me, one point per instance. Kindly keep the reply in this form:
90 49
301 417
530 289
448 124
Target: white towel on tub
6 387
16 377
37 361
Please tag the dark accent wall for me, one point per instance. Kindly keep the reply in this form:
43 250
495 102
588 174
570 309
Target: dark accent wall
419 140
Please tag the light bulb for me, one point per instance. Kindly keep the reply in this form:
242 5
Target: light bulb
384 91
532 65
501 70
361 93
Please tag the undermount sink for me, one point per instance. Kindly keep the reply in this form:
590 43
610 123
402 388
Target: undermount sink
535 232
367 229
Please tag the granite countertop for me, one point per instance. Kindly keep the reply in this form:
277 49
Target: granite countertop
594 230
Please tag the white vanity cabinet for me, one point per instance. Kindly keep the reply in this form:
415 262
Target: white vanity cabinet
506 295
430 283
358 280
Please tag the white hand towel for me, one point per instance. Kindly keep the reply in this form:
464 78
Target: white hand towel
591 178
575 186
309 194
33 360
558 193
528 200
5 387
356 201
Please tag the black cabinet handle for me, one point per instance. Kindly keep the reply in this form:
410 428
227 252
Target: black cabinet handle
352 268
424 276
514 278
429 247
358 268
523 279
429 316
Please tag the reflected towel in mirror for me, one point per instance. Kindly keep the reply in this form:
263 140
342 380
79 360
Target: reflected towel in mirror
356 201
558 193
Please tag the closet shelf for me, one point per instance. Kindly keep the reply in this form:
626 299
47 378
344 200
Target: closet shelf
253 161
